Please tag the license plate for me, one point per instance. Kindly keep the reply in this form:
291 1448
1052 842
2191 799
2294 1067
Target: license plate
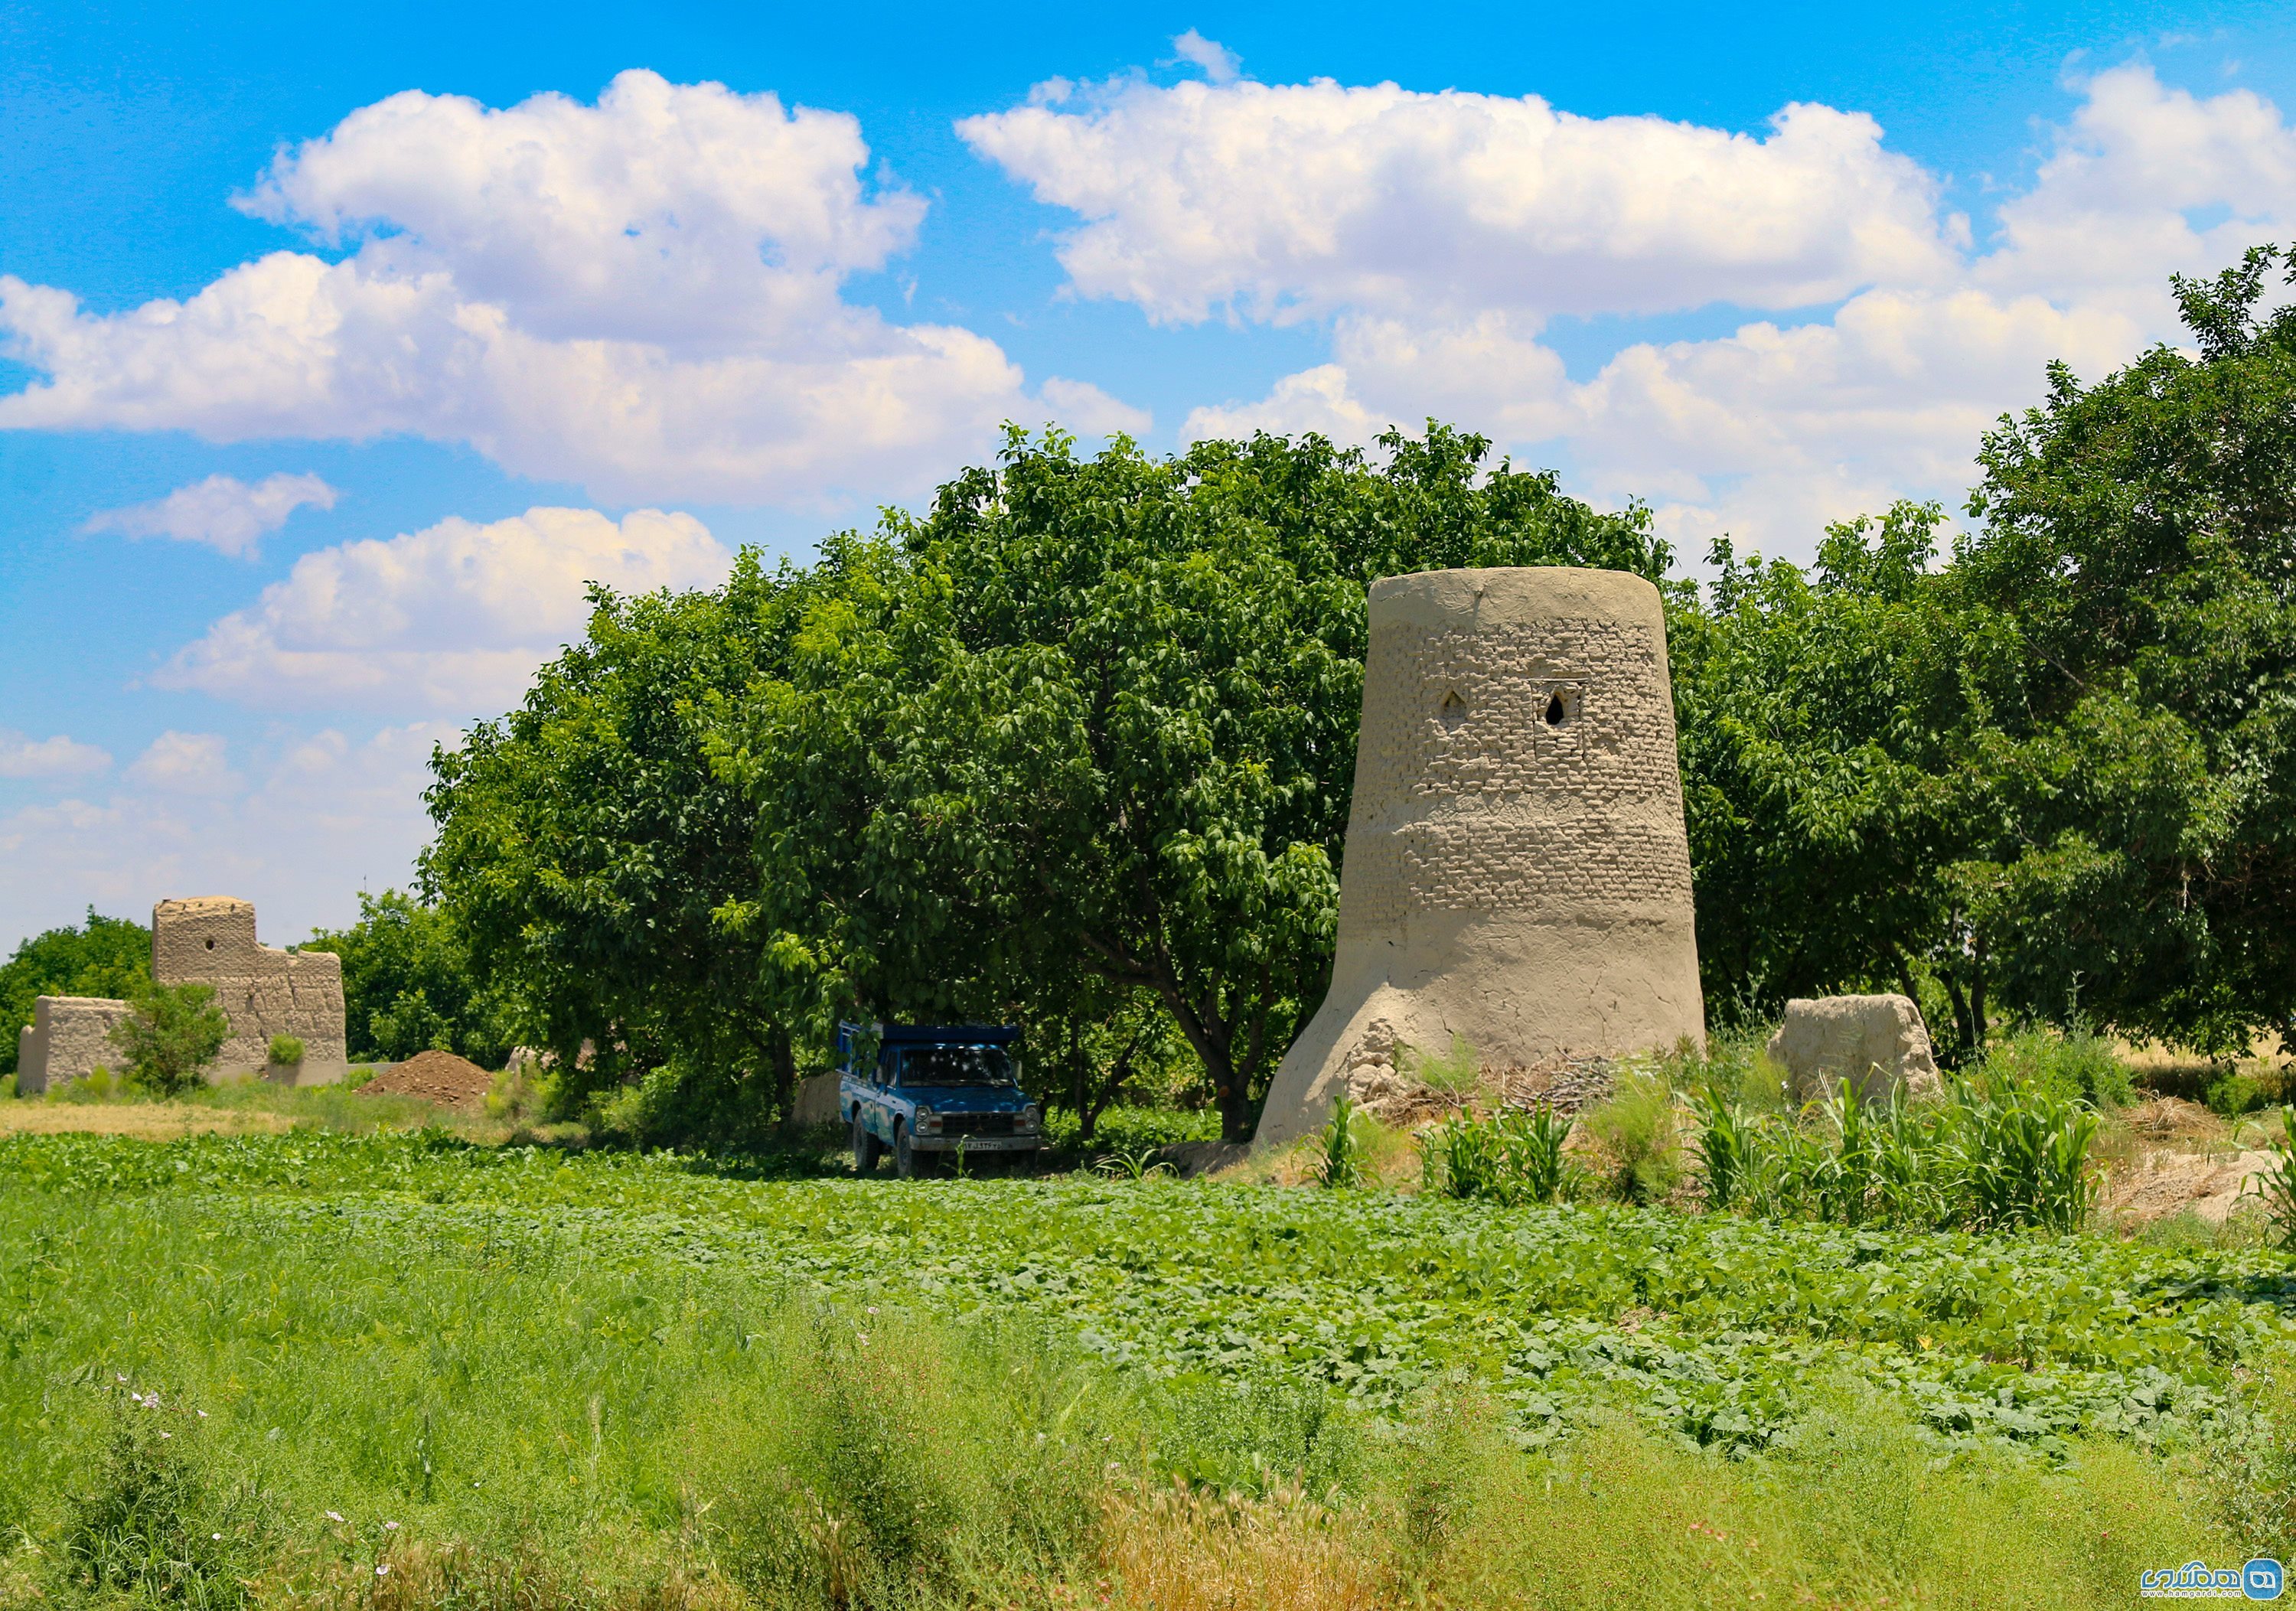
991 1143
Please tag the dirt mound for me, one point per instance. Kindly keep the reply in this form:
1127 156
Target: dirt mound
439 1077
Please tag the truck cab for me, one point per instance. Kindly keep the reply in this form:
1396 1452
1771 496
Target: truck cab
927 1091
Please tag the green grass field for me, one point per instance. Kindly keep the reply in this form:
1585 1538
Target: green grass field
395 1369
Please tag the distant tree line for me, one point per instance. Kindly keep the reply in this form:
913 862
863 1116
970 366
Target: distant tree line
1074 748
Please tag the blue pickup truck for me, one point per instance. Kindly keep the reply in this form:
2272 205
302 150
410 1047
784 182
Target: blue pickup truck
926 1091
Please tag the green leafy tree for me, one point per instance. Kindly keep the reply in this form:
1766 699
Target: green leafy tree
2053 777
2139 536
172 1035
108 956
1096 724
594 862
408 985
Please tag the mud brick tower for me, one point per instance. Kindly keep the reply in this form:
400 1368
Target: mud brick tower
264 991
1516 873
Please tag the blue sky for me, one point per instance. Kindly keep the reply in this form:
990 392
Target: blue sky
332 360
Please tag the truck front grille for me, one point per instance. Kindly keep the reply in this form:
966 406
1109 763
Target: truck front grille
976 1124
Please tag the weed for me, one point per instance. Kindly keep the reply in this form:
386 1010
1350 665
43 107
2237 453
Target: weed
2073 1065
285 1051
1456 1071
1634 1134
2232 1094
1136 1166
147 1527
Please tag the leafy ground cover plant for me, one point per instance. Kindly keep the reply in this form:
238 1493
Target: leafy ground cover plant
1371 1296
439 1375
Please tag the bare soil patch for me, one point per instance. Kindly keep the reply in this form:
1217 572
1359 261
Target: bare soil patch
437 1077
152 1120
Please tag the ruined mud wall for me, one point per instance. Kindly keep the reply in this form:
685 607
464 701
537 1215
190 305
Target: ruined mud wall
1516 873
264 991
69 1038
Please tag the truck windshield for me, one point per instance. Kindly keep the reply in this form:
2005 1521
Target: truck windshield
956 1065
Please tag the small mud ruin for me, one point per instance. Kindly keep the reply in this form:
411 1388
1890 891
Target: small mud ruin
1517 878
264 991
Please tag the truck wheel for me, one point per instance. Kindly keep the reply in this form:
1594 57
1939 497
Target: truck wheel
865 1147
908 1163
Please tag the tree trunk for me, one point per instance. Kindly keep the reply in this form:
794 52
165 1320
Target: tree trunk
1960 1017
1977 1000
781 1058
1080 1085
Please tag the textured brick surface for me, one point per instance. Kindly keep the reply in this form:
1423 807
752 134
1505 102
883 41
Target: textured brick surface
69 1038
264 991
1516 875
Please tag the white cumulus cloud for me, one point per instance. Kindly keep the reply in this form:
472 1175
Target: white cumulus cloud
1438 236
1285 201
225 513
1085 407
331 813
454 618
56 756
642 296
185 763
1218 62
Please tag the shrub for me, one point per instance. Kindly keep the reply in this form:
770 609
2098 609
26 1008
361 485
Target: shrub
2234 1094
286 1050
2071 1066
172 1035
1635 1133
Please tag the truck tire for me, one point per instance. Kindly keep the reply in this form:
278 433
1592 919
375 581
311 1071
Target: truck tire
908 1163
865 1147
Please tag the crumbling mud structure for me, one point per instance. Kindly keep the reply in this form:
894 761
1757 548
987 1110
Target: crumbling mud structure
1878 1043
264 991
69 1038
1517 878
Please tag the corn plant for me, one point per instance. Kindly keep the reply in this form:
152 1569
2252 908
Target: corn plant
1513 1156
2025 1161
2276 1184
1728 1142
1340 1150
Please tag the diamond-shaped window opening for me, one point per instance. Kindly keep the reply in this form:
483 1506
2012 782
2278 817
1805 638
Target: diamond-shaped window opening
1562 705
1453 710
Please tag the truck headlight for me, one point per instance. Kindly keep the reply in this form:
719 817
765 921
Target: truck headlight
928 1121
1031 1120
